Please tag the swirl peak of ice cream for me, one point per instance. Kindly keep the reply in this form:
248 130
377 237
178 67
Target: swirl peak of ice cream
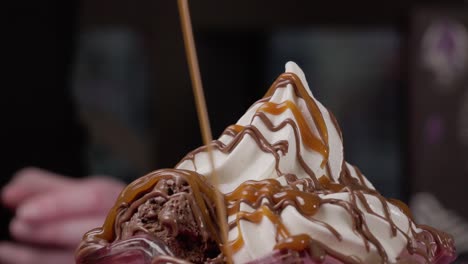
286 186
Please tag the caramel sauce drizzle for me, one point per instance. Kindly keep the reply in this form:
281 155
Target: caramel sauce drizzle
256 217
279 196
290 78
308 138
275 197
329 185
297 243
236 128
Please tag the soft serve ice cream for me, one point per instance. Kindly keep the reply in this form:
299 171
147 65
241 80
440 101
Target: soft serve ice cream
289 194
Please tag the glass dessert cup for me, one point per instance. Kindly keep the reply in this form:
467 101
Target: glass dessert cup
137 250
146 250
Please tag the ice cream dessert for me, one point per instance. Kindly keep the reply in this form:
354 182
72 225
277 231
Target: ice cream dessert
290 197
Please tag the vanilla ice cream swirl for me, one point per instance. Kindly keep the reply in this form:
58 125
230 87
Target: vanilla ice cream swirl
288 186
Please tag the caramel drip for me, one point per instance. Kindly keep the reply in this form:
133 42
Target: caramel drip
292 79
252 192
275 197
256 217
297 243
233 130
308 138
305 184
328 185
236 128
237 243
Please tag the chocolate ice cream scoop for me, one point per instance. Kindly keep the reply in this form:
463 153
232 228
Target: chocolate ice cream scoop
173 207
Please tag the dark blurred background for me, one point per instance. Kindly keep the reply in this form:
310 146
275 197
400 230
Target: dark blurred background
102 87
